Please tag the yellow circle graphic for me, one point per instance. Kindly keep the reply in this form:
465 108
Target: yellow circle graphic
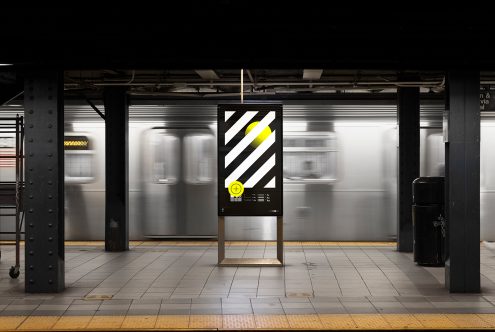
236 189
261 137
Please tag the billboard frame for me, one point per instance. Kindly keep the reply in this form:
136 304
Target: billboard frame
279 260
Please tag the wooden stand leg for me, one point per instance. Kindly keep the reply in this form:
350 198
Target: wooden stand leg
280 239
221 239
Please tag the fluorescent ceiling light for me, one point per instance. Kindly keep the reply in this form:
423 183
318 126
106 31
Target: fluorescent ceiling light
6 64
207 74
312 74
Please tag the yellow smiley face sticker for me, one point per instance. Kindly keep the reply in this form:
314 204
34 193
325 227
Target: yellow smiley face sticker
236 189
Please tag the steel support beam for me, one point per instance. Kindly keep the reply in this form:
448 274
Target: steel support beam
462 161
116 169
44 190
408 120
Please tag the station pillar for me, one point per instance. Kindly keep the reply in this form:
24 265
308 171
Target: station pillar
44 187
116 169
408 156
462 181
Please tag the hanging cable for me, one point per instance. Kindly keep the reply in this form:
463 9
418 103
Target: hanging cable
242 86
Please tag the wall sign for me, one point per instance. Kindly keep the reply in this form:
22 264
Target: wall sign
250 160
487 102
76 143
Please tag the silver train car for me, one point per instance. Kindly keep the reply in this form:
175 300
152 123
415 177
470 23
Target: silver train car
340 172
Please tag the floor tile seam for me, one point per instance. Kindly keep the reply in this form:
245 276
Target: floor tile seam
354 266
101 255
171 263
309 275
258 279
245 248
150 263
93 257
383 272
71 259
402 272
331 268
204 252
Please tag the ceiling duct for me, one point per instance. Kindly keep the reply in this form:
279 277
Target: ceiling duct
207 74
312 74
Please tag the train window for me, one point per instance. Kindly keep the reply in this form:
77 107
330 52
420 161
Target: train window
199 150
7 154
165 166
310 157
435 154
78 165
78 158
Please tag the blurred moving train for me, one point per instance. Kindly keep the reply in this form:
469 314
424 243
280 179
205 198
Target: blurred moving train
340 171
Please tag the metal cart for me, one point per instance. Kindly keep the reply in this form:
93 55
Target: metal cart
11 192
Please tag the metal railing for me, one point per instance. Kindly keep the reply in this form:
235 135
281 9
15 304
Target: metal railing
11 192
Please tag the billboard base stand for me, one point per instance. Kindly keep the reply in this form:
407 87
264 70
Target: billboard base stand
255 262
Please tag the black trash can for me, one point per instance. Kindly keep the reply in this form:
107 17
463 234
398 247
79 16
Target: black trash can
428 221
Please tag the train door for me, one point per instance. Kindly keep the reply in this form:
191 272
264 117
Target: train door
80 172
179 189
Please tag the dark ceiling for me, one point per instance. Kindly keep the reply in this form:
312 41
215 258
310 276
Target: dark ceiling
155 50
225 34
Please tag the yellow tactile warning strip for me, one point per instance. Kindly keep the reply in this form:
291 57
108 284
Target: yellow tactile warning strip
213 243
435 321
11 323
304 322
236 243
172 322
238 322
241 322
106 322
468 321
271 322
38 323
369 321
139 322
337 321
205 321
72 322
489 318
398 321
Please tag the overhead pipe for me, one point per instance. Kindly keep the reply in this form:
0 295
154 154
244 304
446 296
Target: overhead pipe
353 84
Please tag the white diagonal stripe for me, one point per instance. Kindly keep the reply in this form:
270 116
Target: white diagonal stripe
228 114
261 172
236 127
236 150
271 183
236 174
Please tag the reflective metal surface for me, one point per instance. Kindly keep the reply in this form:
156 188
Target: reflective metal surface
340 176
178 168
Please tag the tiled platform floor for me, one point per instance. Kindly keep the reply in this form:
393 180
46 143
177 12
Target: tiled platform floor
178 285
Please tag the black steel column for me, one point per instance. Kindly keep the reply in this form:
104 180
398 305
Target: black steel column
116 169
408 170
462 159
44 191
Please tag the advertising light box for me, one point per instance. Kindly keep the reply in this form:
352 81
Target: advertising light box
250 160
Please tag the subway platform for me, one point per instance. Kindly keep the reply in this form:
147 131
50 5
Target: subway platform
177 285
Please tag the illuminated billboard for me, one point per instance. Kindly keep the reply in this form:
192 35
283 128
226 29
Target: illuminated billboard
250 160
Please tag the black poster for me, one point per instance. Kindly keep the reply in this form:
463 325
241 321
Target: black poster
250 160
